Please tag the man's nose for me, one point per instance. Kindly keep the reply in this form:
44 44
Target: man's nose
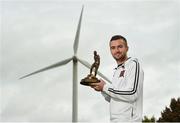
116 49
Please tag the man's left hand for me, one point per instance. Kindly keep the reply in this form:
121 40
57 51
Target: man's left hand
98 86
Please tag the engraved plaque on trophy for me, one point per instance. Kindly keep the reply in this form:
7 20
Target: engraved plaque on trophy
91 78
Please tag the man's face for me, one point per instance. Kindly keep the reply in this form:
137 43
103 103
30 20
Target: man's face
118 49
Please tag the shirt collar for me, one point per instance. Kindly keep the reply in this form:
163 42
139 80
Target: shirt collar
122 64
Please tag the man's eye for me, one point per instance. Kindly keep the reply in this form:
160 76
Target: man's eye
120 46
112 47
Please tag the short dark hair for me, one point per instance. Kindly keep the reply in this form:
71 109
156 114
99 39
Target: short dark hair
116 37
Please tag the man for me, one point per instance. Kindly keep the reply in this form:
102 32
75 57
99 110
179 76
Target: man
125 94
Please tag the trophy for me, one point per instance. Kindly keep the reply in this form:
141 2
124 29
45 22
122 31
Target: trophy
91 78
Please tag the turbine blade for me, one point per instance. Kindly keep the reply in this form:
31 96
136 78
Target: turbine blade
63 62
76 41
103 76
85 63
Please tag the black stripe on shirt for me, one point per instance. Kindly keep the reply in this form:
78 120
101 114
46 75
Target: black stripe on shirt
135 84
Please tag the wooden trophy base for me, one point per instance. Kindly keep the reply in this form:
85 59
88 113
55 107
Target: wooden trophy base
89 80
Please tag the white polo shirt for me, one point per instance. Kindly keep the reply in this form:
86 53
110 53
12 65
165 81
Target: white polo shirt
125 94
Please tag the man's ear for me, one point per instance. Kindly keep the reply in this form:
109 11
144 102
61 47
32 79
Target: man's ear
127 48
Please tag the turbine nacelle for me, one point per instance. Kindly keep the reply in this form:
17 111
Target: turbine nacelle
75 58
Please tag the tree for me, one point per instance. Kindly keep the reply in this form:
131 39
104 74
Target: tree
171 113
146 119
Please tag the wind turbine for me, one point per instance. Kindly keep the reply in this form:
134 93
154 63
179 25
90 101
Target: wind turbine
75 60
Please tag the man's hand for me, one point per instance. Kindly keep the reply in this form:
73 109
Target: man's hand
98 86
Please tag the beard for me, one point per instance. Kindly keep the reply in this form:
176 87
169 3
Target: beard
120 56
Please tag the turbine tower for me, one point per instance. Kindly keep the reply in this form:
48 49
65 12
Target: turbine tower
75 60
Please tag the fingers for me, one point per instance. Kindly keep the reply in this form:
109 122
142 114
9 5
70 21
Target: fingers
95 87
98 86
94 84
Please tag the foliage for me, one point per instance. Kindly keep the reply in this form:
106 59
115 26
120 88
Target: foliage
171 113
146 119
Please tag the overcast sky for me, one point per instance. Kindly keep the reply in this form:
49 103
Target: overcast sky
36 34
